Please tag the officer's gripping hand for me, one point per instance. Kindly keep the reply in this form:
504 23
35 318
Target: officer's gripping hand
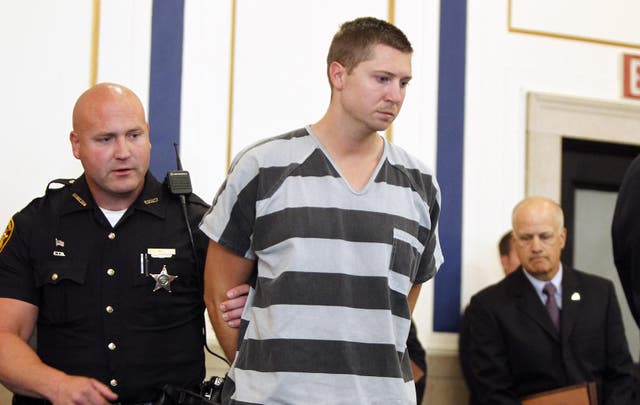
232 308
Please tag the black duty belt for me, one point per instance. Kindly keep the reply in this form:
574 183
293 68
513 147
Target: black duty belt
133 403
22 400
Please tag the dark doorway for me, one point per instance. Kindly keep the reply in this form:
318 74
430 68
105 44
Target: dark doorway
591 176
590 165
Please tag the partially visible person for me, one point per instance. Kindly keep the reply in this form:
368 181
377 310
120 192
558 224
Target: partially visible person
337 227
104 266
508 255
418 357
625 232
510 262
546 325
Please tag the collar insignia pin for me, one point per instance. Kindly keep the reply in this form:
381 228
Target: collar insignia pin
163 279
575 296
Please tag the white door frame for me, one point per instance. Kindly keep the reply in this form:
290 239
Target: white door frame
551 118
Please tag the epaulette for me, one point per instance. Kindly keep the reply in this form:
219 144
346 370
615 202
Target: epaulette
61 182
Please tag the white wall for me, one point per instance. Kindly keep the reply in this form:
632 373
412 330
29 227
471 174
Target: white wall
280 84
502 68
45 65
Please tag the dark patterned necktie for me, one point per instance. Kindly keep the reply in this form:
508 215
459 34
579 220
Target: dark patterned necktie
552 305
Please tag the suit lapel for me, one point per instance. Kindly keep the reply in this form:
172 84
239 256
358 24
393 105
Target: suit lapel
530 304
571 302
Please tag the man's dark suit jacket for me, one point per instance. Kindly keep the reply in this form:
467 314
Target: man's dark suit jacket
625 234
515 350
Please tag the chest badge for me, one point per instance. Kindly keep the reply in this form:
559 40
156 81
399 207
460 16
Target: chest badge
163 279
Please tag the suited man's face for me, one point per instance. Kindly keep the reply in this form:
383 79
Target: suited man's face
539 238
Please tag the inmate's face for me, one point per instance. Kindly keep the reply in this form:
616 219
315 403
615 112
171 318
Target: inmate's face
374 90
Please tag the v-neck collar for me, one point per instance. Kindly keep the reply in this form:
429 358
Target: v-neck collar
327 155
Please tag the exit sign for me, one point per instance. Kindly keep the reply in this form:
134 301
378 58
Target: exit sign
631 76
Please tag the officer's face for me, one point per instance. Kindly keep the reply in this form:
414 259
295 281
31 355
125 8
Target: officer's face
111 139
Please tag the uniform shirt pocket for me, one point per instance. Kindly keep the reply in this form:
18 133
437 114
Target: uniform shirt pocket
61 285
156 307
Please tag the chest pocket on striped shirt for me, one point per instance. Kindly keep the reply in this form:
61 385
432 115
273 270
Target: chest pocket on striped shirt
405 255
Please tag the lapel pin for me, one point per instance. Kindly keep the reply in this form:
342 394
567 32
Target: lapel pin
575 296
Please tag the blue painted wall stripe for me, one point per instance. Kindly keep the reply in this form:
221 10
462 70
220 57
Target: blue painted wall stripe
451 84
165 83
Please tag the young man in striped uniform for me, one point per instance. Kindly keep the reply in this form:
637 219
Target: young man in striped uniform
336 228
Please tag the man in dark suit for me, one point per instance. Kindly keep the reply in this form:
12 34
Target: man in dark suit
625 232
510 263
526 336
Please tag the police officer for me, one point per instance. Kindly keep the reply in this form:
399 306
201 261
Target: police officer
105 267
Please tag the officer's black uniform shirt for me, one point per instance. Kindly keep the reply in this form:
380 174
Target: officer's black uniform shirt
99 315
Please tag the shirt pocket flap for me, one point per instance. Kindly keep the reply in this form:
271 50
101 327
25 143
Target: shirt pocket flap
56 272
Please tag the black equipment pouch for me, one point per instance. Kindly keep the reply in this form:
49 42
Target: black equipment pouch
210 392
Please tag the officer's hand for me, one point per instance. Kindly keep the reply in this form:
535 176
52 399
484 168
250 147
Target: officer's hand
76 390
232 308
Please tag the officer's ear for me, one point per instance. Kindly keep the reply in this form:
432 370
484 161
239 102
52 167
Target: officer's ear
75 144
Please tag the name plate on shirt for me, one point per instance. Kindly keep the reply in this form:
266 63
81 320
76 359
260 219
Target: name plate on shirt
161 253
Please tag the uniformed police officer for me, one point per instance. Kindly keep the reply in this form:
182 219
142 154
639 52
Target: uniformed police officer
105 267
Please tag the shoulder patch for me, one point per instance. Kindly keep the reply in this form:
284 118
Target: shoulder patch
6 235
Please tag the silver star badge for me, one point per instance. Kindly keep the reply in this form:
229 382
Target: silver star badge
163 279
